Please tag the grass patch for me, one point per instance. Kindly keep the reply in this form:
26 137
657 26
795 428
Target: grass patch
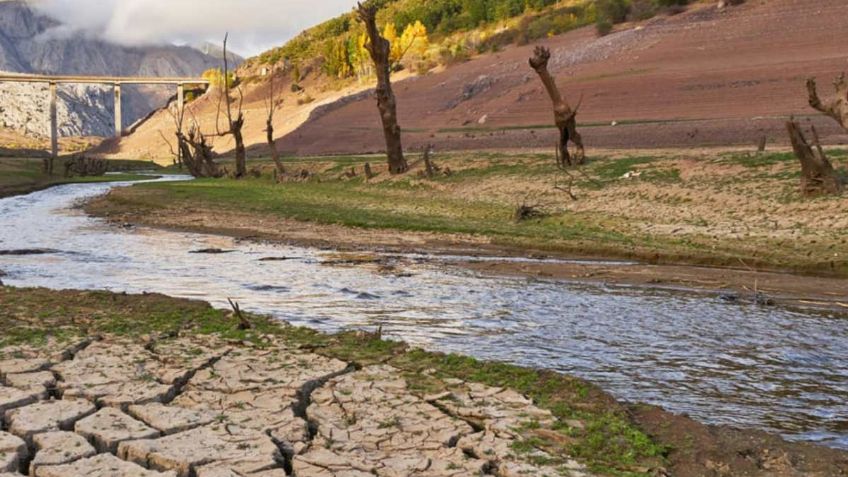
480 195
21 176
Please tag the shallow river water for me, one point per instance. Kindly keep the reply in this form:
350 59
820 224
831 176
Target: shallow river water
761 367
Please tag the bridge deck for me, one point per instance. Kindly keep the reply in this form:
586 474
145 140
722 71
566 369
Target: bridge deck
27 78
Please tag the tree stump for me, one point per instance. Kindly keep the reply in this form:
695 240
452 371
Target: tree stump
564 117
818 176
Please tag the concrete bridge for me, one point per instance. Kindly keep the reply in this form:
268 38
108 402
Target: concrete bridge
115 81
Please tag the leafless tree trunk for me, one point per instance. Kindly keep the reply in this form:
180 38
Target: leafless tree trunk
817 173
234 126
379 49
836 108
429 168
192 149
564 116
272 103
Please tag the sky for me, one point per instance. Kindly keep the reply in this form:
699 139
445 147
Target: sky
254 25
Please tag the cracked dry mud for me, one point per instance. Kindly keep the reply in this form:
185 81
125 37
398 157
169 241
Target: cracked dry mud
200 407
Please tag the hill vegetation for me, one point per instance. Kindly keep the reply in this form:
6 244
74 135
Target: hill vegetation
427 33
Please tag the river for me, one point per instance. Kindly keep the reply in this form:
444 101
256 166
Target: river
768 368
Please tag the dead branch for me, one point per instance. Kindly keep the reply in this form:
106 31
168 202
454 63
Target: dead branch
837 108
244 323
568 188
564 117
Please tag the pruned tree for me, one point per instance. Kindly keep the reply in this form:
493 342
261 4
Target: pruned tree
272 102
193 150
564 116
817 173
235 122
380 51
836 108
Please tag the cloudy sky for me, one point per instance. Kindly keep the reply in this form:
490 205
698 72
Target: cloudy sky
254 25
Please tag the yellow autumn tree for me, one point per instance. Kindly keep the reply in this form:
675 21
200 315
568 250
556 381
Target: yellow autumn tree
414 40
362 59
390 34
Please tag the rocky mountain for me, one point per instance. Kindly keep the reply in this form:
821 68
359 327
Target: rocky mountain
33 43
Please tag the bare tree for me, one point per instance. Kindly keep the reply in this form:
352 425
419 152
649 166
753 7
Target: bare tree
379 48
234 126
565 117
817 173
272 102
837 108
193 149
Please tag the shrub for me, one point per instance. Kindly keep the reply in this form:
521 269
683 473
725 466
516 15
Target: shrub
603 26
642 10
610 12
615 11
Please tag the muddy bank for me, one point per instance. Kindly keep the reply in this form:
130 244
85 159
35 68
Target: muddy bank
109 384
735 284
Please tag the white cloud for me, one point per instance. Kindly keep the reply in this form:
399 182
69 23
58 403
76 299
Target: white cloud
254 25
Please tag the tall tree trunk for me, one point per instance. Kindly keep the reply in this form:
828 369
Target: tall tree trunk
379 48
564 117
817 173
241 152
272 145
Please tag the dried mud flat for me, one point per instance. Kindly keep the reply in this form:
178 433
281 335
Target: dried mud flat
202 407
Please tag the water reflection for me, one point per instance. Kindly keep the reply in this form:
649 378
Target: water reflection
768 368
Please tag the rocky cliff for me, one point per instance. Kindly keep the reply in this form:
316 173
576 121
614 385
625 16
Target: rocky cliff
33 43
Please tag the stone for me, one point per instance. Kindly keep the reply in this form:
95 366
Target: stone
40 381
22 365
47 416
171 419
109 427
102 465
244 450
11 398
58 448
13 451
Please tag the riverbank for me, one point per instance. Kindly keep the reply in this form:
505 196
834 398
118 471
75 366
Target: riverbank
176 381
736 216
20 176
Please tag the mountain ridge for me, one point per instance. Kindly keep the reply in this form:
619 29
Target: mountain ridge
27 46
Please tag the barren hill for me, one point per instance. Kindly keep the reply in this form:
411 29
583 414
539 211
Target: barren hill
701 78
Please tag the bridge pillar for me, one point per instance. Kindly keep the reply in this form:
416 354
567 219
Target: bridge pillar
119 128
54 128
180 99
